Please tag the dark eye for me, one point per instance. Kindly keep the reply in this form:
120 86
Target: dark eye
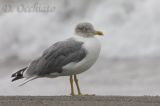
82 29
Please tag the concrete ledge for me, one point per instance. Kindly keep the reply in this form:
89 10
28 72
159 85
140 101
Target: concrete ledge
79 101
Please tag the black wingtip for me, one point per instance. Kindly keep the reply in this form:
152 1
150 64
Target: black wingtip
16 78
18 74
13 79
13 75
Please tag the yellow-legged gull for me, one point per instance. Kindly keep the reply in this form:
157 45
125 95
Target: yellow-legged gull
65 58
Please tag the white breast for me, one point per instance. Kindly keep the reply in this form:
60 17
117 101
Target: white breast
92 46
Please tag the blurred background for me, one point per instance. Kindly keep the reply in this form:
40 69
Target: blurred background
129 63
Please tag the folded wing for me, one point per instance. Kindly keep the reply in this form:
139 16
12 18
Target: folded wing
57 56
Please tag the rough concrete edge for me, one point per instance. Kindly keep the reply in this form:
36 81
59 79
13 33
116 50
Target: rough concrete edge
149 99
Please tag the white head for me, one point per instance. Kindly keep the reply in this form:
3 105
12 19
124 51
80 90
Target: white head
86 30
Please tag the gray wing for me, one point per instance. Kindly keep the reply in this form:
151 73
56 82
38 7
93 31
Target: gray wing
57 56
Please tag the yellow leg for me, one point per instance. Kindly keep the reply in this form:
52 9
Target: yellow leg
71 83
76 81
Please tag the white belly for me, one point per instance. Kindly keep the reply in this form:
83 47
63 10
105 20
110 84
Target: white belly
92 46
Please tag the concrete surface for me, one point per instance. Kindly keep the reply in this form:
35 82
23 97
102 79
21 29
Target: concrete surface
79 101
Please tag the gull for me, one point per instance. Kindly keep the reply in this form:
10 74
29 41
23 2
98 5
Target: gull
65 58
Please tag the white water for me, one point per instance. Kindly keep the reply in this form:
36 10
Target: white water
132 30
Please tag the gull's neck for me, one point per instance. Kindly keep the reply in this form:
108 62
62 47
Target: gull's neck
82 38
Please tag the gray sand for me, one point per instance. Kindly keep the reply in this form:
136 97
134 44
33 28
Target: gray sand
79 101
